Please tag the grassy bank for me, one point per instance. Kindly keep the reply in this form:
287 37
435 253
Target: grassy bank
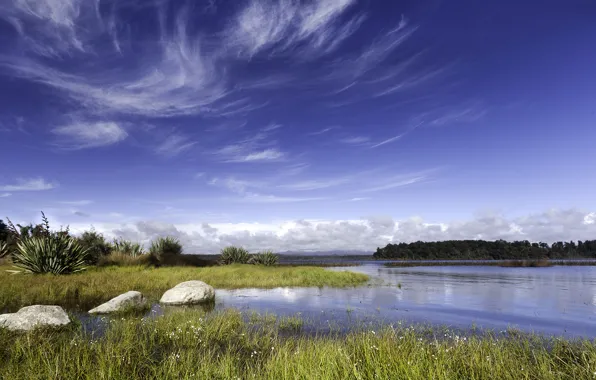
189 345
96 285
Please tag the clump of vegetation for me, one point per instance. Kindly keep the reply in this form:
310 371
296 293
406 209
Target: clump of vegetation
165 250
96 244
267 258
127 247
46 251
234 255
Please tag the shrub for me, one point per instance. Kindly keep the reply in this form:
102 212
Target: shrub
165 250
121 259
56 254
267 258
127 247
96 245
234 255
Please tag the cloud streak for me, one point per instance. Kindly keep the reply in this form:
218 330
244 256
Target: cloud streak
81 135
29 184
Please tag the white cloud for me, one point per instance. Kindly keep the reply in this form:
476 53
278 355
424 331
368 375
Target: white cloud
29 184
316 184
5 195
265 155
80 135
280 26
357 234
173 145
396 182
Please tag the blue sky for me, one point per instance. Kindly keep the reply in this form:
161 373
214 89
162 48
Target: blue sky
322 124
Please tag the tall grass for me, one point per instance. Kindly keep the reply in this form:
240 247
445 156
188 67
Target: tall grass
191 345
97 285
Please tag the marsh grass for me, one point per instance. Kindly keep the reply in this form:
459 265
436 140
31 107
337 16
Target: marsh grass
83 291
191 345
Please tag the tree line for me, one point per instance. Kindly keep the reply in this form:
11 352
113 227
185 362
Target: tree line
487 250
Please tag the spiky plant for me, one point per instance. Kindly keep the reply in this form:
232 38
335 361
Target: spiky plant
234 255
127 247
56 254
3 249
267 258
165 249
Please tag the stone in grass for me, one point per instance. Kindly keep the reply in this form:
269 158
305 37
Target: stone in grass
34 316
129 301
188 293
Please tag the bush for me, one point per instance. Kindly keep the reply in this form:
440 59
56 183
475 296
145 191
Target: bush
96 245
267 258
127 247
121 259
165 250
234 255
56 254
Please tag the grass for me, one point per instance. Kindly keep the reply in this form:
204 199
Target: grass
88 289
191 345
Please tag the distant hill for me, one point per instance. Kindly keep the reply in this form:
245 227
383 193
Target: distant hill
326 253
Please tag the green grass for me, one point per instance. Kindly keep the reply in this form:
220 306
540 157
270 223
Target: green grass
97 285
191 345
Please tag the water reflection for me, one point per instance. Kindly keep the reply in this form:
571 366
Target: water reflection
556 300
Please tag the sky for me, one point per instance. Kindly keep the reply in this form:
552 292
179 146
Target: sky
300 125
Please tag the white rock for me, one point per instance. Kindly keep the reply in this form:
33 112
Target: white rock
132 300
35 316
188 293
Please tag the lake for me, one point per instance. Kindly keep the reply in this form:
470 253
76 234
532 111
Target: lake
559 300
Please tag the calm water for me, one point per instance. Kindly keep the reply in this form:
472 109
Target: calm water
559 300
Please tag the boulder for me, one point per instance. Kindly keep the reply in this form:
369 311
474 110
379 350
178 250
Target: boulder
35 316
132 300
188 293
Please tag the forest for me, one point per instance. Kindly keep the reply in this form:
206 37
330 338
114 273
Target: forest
487 250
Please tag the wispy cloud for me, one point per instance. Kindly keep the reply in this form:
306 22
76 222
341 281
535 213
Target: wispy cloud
321 131
81 135
316 184
30 184
389 140
173 145
280 27
358 199
84 202
355 140
265 155
5 195
395 182
260 198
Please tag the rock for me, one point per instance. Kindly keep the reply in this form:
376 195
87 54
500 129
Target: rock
35 316
132 300
188 293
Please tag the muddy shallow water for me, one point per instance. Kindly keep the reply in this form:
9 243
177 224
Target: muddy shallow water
559 300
